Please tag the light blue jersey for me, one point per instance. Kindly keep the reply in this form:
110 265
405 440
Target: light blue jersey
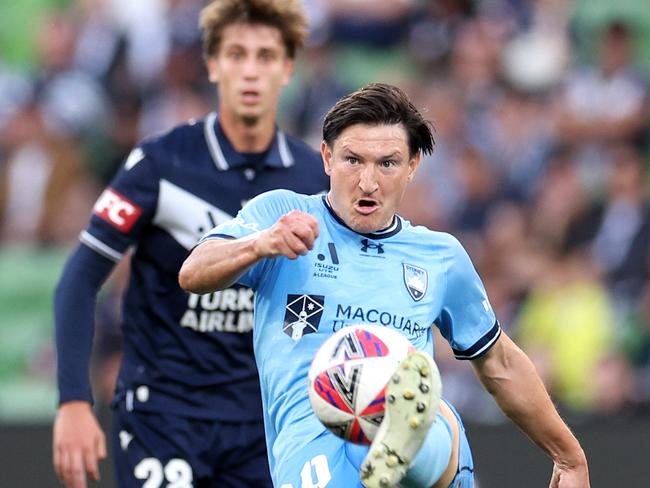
408 278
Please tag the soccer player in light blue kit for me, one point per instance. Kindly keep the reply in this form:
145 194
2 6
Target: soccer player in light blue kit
320 263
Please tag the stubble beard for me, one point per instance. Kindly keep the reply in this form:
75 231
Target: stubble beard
250 120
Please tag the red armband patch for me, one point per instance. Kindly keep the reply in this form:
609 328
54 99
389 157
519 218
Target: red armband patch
117 210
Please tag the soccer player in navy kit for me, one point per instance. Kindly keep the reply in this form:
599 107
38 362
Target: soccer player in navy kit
187 407
319 263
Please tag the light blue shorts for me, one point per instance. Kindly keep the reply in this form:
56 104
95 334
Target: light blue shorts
329 462
465 476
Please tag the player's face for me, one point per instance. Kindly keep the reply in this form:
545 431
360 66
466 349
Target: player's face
369 167
250 68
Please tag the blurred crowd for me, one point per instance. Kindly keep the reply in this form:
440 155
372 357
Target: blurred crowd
541 126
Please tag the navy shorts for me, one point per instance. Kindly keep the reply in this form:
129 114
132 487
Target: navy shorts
162 450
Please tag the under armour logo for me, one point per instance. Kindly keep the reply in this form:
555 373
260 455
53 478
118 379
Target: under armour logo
366 244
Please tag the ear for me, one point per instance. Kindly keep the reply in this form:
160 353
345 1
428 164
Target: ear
213 69
326 154
288 71
413 165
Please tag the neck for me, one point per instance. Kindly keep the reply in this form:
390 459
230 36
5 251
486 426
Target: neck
247 136
378 231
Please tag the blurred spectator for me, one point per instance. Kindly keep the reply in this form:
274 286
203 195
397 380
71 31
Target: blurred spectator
317 90
604 103
380 24
43 142
559 198
535 57
475 63
515 135
613 385
435 197
617 229
433 31
511 261
480 192
566 327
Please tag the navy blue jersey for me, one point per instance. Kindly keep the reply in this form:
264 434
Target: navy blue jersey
183 353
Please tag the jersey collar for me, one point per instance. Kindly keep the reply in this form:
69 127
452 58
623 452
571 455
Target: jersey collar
389 231
225 156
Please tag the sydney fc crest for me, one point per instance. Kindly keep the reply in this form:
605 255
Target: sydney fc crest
416 281
302 315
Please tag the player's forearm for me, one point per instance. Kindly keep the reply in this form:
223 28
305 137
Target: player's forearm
217 264
509 375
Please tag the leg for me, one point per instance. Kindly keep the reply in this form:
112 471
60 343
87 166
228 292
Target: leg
416 435
464 464
322 462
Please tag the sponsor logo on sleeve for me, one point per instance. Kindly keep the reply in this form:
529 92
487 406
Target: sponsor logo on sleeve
117 210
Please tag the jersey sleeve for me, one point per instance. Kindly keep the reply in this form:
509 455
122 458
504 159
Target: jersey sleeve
258 214
74 320
124 208
467 320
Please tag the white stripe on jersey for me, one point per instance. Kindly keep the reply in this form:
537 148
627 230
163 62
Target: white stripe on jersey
185 216
213 143
98 246
487 346
285 153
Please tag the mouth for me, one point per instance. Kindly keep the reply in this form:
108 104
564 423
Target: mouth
366 206
250 97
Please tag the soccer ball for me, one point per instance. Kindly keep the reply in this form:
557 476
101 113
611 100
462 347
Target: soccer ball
348 378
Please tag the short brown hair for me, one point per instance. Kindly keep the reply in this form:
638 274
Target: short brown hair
288 16
378 104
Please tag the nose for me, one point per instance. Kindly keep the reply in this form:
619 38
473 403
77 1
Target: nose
250 67
368 179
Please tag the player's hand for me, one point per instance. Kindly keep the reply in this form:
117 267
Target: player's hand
292 235
78 444
570 476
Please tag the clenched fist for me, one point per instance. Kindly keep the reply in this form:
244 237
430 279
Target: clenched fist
292 235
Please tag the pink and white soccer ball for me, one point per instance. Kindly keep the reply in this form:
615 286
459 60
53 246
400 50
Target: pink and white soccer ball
348 378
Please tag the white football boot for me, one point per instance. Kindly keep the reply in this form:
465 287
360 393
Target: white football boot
412 400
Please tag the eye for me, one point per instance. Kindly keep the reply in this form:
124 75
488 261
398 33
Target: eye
235 54
352 160
388 163
266 56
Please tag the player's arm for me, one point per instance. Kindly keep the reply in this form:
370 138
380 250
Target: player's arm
217 263
510 377
78 440
119 215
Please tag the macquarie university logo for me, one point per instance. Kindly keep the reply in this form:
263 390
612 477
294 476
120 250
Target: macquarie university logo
302 315
416 281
